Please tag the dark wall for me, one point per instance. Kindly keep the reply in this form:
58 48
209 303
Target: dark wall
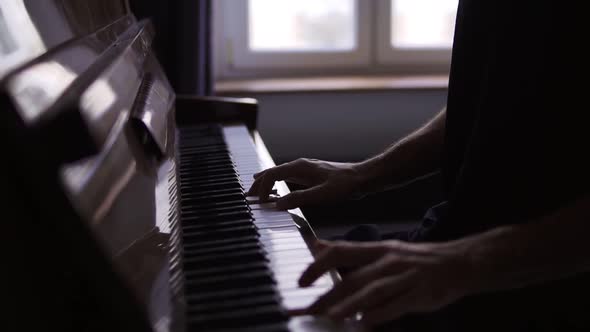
183 41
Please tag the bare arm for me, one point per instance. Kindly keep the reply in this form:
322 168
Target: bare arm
415 155
515 256
393 278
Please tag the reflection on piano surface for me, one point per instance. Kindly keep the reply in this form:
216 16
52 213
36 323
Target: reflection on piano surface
133 196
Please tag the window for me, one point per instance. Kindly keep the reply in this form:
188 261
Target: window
303 25
276 37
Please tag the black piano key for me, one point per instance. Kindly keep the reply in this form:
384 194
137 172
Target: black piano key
207 158
205 169
205 150
246 256
230 281
191 212
210 196
188 209
190 136
216 205
205 178
211 296
188 195
212 243
222 249
226 269
209 186
208 191
272 327
235 304
240 318
195 146
188 143
220 233
217 217
227 171
206 227
209 153
227 213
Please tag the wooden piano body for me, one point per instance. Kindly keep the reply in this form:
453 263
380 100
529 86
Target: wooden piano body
97 212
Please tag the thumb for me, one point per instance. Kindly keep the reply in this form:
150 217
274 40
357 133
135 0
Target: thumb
302 197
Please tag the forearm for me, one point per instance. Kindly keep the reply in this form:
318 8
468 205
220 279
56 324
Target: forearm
515 256
415 155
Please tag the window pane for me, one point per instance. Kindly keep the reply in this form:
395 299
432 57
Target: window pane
423 23
302 25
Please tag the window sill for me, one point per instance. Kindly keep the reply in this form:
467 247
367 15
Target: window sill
331 84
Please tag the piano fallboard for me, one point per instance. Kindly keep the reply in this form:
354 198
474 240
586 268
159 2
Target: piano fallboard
131 198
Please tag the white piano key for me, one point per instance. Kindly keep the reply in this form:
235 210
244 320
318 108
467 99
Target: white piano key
312 291
294 302
291 282
285 248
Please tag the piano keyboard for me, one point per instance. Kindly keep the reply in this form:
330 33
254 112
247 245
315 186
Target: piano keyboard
242 258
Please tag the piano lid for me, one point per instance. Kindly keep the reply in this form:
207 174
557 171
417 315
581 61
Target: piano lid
29 28
90 106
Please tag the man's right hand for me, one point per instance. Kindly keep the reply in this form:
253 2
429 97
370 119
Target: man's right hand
325 181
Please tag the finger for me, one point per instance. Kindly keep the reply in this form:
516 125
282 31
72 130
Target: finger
274 174
297 312
320 245
256 184
301 197
340 254
374 294
397 307
357 280
253 191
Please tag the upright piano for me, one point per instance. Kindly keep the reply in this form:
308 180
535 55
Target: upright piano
125 202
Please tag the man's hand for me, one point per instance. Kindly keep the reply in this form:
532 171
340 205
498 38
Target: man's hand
389 279
326 181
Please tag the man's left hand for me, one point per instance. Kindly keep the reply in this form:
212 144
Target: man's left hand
388 279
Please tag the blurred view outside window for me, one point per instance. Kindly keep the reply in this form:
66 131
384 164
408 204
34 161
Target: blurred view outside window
423 23
316 25
282 37
302 25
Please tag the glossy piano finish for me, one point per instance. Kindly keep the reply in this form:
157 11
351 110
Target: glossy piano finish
95 144
97 123
289 239
29 28
55 95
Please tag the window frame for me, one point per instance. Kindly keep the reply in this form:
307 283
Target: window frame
374 53
389 55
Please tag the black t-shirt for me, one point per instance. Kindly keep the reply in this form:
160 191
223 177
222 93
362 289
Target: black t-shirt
517 140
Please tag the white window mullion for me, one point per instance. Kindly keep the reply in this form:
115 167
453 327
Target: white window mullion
243 57
414 55
424 45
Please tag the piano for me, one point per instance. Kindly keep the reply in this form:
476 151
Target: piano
126 205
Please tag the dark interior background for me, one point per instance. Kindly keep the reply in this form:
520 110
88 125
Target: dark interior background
184 45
